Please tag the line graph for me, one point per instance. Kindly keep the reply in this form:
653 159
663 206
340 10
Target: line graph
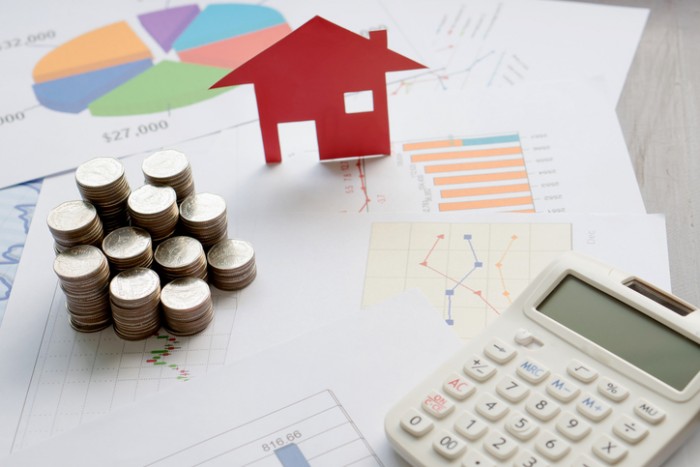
469 272
81 376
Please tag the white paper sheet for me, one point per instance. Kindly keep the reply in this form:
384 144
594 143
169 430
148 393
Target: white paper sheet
312 269
552 148
496 44
324 393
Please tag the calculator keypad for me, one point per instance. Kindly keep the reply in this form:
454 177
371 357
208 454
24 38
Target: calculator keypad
526 422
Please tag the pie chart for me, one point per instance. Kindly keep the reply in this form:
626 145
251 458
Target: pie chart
111 71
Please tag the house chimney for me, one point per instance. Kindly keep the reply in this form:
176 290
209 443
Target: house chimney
379 37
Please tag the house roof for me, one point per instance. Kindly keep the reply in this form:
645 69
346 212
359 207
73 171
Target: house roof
320 46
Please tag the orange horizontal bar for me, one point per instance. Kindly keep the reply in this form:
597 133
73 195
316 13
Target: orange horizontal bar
524 211
447 143
431 169
485 203
490 177
484 190
452 155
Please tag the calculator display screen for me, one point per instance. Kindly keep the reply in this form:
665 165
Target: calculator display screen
624 331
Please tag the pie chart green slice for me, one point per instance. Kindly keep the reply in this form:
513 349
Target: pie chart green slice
167 85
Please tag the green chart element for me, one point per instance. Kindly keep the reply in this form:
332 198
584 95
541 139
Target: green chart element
167 85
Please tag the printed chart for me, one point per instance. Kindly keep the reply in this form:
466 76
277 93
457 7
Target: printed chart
464 52
470 272
111 71
475 173
79 376
314 431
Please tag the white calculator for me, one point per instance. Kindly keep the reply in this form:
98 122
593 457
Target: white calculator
589 366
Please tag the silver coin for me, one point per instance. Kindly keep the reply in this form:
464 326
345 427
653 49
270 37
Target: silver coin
202 207
231 254
178 252
150 199
134 285
79 261
99 172
71 216
126 242
164 165
185 294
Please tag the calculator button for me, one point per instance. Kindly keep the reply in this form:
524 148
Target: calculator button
449 445
572 426
499 352
523 337
511 389
551 446
584 461
500 446
479 369
612 390
437 405
630 430
593 408
470 426
458 387
649 412
562 389
475 459
581 372
490 407
609 450
542 407
528 459
521 426
416 423
532 371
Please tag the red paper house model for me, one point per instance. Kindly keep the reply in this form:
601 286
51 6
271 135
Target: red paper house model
306 75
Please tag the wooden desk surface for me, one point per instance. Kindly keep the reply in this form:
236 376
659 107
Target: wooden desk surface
659 113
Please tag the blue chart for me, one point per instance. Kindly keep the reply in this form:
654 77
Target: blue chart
313 431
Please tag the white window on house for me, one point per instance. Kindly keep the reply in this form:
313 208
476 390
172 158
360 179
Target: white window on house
359 101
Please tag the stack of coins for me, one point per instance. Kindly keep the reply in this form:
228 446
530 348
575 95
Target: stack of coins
179 257
203 216
127 248
135 301
83 272
170 168
231 264
187 306
75 223
102 181
154 209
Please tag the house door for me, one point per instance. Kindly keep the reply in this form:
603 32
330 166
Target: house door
298 139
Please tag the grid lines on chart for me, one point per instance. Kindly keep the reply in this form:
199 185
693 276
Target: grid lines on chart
79 376
470 272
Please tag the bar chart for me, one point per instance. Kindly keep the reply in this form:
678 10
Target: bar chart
484 173
313 431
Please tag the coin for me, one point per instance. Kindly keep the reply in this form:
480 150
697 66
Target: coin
179 257
171 168
231 264
128 247
83 273
135 303
203 216
187 306
102 181
99 173
75 223
154 208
